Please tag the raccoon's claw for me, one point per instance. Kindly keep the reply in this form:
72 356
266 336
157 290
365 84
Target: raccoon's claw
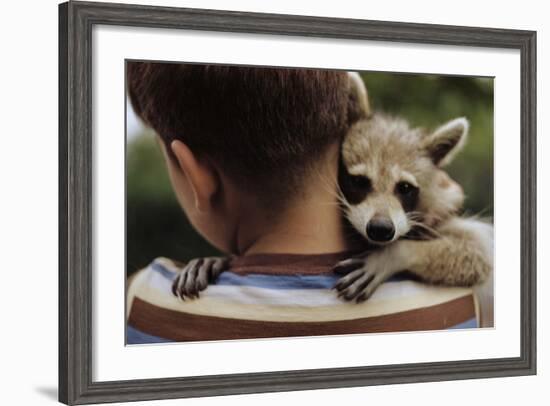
370 288
359 285
196 275
347 265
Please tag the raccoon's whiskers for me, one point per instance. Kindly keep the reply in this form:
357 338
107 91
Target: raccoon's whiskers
418 216
331 186
328 203
414 215
424 227
479 214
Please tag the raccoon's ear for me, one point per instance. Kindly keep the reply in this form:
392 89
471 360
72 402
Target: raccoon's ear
446 141
358 102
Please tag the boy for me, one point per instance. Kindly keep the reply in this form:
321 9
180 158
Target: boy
252 156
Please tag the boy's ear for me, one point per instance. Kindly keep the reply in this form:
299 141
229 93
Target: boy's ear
202 176
358 102
446 141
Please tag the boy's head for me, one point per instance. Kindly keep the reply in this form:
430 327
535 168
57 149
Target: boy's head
228 131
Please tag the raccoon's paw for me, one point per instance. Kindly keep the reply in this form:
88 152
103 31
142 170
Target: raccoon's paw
360 284
196 275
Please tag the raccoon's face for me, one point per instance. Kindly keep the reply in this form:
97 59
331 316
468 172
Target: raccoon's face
390 179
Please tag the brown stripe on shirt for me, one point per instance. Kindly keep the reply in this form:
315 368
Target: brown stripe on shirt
181 326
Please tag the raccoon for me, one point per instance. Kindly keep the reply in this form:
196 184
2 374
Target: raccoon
395 194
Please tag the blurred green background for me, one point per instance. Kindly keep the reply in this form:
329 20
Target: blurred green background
156 226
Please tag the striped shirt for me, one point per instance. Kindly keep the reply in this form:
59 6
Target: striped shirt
285 295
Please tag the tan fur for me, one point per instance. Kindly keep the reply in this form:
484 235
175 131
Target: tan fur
460 256
358 104
387 150
458 251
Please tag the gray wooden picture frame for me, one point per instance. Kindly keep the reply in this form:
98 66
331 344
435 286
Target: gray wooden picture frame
76 20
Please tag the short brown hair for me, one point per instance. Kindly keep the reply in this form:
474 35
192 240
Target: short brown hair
264 126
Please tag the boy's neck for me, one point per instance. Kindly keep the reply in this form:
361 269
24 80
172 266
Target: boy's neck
308 229
312 224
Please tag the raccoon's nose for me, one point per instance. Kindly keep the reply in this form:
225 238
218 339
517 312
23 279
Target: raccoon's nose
380 229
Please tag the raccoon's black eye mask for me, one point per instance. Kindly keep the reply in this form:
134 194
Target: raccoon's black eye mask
355 188
407 194
359 182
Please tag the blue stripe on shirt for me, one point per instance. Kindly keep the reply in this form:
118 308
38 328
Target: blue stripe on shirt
278 281
472 323
135 336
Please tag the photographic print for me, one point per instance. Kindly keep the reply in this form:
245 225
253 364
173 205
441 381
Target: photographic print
257 202
268 202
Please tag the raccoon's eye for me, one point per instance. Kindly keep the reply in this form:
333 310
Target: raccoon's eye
405 188
355 188
360 182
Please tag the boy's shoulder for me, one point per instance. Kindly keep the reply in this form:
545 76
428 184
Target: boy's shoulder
159 264
157 275
253 305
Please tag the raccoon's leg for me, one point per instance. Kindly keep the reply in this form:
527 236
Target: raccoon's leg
196 275
461 256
